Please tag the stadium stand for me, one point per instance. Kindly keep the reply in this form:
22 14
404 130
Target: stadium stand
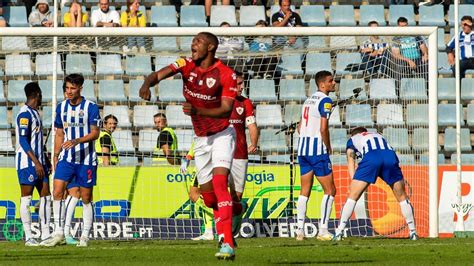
382 89
111 90
176 118
138 65
269 115
147 140
262 90
370 13
413 89
292 90
450 140
165 44
224 13
249 15
143 115
163 16
123 140
341 15
192 16
316 62
431 16
121 112
447 89
396 11
44 65
312 15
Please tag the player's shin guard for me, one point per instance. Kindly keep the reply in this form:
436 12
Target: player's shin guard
301 211
70 204
408 213
45 216
224 205
88 217
346 213
326 207
25 216
58 215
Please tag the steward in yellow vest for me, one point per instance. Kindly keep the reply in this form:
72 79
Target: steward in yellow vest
167 142
105 145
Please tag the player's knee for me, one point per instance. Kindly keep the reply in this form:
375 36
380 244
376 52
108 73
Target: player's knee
58 194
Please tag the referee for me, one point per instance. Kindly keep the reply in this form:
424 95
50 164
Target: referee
466 47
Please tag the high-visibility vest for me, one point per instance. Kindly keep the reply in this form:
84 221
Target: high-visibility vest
173 148
113 149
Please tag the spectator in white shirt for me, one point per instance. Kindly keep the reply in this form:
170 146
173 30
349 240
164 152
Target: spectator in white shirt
104 16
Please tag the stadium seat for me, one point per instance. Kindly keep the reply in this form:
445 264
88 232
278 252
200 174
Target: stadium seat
447 89
249 15
163 16
467 89
338 139
123 139
133 89
397 137
15 16
292 90
7 161
177 118
192 16
316 62
413 89
417 114
6 143
420 139
109 64
2 93
269 115
396 11
88 90
443 66
47 89
262 90
370 13
46 116
138 65
17 43
147 140
312 15
431 16
347 86
464 10
358 115
269 142
221 14
165 44
406 159
163 61
424 159
121 112
470 115
79 63
143 115
185 139
44 65
292 113
338 159
447 115
290 64
111 90
15 111
335 118
128 161
171 90
390 114
466 158
278 158
18 65
185 43
343 42
16 90
341 15
344 59
316 42
441 42
3 118
450 139
382 89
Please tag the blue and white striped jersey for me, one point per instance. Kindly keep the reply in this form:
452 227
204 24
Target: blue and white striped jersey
318 106
366 142
76 122
466 45
29 132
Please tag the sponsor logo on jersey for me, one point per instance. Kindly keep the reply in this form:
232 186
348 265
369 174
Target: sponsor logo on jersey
210 82
199 95
239 110
180 63
327 107
24 122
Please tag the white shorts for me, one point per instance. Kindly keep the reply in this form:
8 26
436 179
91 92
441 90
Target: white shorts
213 151
238 174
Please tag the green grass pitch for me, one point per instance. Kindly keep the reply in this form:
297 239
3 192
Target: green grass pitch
257 251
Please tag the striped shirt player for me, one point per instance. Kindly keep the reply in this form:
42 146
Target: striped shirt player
466 47
312 152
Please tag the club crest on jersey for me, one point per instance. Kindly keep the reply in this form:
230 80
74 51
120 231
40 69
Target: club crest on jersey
31 178
210 82
81 113
239 110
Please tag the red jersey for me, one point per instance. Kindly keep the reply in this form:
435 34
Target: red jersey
242 115
204 88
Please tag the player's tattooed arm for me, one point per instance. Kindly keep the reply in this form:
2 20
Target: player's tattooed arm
153 79
351 161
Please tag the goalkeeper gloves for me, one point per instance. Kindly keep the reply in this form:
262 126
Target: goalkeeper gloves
184 165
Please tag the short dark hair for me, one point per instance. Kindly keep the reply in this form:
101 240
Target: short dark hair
211 38
280 1
238 73
402 20
161 115
76 79
225 23
261 22
110 116
321 75
32 90
467 18
373 22
357 130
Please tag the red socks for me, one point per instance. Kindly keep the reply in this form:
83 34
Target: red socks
224 205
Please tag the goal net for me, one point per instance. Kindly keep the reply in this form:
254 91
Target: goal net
144 197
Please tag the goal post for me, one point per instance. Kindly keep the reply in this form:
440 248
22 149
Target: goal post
270 158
